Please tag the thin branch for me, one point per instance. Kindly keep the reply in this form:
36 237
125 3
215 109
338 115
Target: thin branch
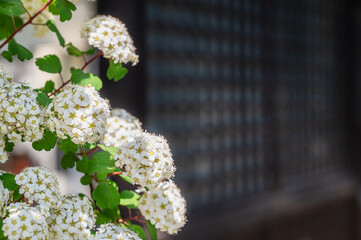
61 78
137 218
26 10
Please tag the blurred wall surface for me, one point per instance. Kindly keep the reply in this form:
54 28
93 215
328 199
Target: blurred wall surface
258 101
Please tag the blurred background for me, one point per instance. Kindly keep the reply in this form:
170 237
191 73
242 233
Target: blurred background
260 103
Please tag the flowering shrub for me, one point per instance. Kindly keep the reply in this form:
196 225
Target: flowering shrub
95 140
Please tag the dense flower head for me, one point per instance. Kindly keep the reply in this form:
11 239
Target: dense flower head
115 232
164 207
39 185
21 116
147 159
121 125
5 197
73 220
5 77
3 153
33 6
78 112
24 222
111 36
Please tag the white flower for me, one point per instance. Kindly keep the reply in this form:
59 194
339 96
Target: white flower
111 36
39 185
73 220
165 207
24 222
147 159
5 197
120 127
114 232
78 112
5 77
33 6
3 153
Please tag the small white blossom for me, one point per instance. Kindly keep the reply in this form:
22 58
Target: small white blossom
164 207
73 220
5 197
24 222
78 112
3 153
115 232
121 126
39 185
147 159
111 36
5 77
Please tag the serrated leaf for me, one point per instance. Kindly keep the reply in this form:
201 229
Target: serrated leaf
81 78
126 178
89 52
129 199
116 71
73 50
49 86
102 163
9 182
51 25
47 142
65 9
86 179
138 230
111 150
152 231
68 160
106 194
43 99
49 63
6 25
83 165
66 145
20 51
7 56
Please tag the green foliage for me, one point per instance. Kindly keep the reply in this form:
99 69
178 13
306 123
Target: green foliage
111 150
106 194
20 51
89 145
12 2
53 8
7 56
83 165
2 237
17 196
103 218
90 51
66 145
68 160
138 230
102 163
129 199
49 63
73 50
116 71
11 10
9 181
65 9
51 25
49 86
43 99
86 179
126 178
81 78
47 142
152 231
108 215
9 146
6 25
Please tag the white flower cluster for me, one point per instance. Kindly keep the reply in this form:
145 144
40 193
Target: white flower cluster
111 36
24 222
5 77
147 160
39 185
78 112
33 6
21 117
3 153
73 220
164 206
5 197
115 232
121 125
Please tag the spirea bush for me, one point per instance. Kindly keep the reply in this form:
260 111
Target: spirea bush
106 145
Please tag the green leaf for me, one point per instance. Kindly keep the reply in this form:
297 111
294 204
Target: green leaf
7 56
81 78
53 8
66 145
116 71
11 10
51 25
43 99
138 230
12 2
20 51
6 25
90 51
65 9
9 181
73 50
102 163
68 160
49 86
83 165
129 199
86 179
9 146
106 194
126 178
49 63
17 196
89 145
103 218
152 231
111 150
47 142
